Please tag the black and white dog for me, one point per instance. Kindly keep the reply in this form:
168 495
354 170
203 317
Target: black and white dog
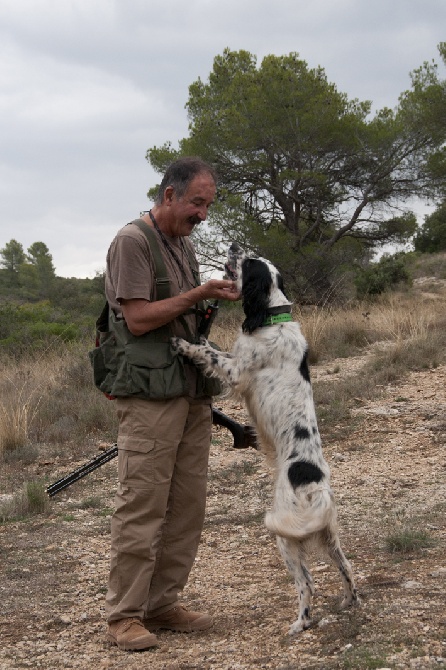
268 369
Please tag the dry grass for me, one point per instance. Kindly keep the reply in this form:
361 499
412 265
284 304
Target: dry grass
429 265
18 409
394 317
51 399
226 326
28 501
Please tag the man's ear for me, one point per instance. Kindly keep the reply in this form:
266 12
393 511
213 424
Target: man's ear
168 195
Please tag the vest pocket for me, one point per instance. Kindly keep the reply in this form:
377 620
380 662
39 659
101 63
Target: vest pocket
155 371
100 359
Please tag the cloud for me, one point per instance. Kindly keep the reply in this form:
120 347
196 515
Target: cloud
87 86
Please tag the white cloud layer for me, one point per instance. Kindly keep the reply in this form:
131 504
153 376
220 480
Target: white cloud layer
87 86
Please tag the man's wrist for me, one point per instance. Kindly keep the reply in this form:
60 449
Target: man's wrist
197 294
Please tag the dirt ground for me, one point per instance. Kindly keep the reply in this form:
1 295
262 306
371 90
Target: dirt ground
388 474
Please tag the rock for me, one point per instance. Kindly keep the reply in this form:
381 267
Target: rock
412 584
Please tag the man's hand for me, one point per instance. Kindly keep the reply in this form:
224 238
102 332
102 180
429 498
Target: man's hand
142 316
220 289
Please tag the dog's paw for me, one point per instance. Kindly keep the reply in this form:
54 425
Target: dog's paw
350 601
203 341
178 344
299 626
174 343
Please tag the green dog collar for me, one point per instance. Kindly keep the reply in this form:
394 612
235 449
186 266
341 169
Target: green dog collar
277 318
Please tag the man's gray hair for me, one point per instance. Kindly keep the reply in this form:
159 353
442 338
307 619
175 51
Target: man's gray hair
180 173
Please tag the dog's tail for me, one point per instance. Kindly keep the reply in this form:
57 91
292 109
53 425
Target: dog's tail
314 511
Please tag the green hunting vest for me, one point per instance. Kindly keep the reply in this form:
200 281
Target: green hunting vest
143 366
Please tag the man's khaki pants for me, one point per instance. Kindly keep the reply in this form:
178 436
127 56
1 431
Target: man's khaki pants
163 452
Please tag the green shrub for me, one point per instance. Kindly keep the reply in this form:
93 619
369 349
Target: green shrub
388 273
407 540
37 326
36 497
431 237
29 501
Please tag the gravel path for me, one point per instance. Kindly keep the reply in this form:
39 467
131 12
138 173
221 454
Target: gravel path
388 475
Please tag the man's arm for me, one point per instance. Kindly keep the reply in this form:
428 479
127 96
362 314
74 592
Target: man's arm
142 316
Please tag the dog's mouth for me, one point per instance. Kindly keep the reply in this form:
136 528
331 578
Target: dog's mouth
230 272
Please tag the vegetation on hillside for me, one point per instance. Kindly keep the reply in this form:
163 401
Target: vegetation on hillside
39 309
47 395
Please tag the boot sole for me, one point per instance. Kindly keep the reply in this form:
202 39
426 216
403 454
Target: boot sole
179 628
132 646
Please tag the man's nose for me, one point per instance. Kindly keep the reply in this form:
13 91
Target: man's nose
203 213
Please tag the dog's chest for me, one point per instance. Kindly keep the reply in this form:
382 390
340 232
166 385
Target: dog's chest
274 347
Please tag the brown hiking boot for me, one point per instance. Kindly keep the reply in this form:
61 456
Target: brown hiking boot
130 635
180 620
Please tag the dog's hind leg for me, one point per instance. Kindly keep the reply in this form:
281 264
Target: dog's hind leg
294 555
338 557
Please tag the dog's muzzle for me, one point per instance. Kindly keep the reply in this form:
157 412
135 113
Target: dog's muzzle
230 272
233 251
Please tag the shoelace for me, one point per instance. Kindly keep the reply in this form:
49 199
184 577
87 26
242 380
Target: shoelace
127 623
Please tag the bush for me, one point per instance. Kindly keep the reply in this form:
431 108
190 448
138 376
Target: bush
388 273
426 265
431 237
407 540
36 326
29 501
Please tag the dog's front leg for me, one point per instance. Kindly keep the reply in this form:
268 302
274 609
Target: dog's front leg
210 360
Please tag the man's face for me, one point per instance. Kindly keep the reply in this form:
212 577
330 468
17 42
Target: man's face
192 207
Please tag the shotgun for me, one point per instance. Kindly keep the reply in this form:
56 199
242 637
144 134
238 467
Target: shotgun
244 437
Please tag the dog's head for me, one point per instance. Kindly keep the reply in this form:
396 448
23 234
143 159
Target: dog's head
260 284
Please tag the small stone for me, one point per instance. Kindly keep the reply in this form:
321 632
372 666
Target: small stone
411 584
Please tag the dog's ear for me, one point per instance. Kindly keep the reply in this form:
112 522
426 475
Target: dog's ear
256 287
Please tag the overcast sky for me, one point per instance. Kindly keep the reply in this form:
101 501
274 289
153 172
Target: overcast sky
87 86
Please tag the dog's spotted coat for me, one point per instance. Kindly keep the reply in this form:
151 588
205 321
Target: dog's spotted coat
268 369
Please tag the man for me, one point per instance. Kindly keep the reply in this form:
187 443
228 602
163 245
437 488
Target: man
163 444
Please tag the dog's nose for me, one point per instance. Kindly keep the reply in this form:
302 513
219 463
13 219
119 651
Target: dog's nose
234 247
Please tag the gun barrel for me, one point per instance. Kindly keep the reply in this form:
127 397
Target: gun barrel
82 471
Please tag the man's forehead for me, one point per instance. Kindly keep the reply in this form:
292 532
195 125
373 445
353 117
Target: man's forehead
201 184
